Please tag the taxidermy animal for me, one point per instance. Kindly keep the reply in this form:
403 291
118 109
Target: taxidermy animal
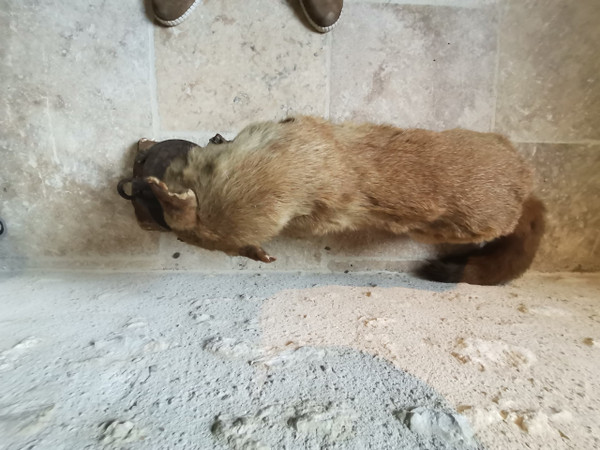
305 175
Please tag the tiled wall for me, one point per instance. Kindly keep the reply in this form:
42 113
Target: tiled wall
82 81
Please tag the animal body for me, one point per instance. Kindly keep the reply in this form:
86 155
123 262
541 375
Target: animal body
305 175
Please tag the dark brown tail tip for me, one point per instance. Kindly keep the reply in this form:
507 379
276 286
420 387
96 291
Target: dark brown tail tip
446 270
498 261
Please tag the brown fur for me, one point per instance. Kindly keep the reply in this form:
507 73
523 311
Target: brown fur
309 176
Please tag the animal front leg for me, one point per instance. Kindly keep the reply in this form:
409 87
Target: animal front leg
256 253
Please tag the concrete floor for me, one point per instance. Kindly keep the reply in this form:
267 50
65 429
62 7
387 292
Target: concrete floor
139 341
297 361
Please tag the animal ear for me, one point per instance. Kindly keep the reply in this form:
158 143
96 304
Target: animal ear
179 209
218 139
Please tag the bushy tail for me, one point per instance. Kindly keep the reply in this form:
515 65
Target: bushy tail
500 260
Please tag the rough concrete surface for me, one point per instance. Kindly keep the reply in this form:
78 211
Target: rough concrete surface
297 361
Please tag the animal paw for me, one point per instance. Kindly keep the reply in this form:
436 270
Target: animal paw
256 253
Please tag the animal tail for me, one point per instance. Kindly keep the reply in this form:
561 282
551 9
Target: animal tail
498 261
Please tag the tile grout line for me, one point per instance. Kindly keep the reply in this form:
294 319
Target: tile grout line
497 69
329 43
153 83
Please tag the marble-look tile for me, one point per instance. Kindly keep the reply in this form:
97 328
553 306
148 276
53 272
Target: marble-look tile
415 66
569 183
238 61
549 70
75 98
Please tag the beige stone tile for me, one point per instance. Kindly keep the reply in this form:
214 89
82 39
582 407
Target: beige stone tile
176 255
548 82
291 254
373 265
75 98
569 184
418 66
374 245
237 61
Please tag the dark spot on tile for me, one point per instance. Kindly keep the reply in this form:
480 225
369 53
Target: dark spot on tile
519 421
563 435
176 255
460 358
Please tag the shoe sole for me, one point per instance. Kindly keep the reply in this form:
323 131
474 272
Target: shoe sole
185 15
318 27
